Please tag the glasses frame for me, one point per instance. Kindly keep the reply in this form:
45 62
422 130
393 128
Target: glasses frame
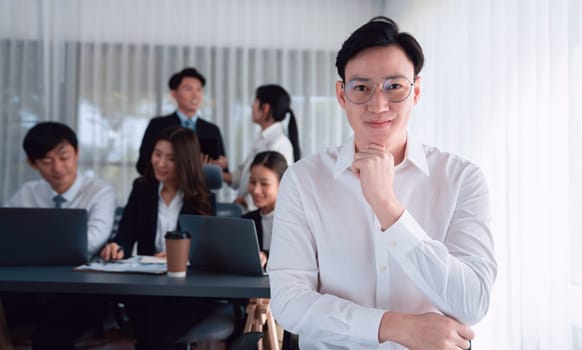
382 87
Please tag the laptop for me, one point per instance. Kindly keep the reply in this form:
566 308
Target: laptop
43 236
223 244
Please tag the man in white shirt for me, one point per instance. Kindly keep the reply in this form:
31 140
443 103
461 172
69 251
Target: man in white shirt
52 149
382 242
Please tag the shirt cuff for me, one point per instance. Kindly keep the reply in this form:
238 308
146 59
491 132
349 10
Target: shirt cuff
403 236
365 324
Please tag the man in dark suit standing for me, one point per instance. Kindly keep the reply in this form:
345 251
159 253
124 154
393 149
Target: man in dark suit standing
187 88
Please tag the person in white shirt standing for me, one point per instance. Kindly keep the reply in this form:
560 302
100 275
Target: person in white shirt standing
271 107
382 242
52 150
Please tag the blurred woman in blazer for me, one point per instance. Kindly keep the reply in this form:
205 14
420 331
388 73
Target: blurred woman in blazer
173 184
266 172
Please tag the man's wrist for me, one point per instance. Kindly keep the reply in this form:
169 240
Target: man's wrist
391 212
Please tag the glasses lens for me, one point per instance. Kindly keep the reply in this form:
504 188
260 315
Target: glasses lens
397 89
359 91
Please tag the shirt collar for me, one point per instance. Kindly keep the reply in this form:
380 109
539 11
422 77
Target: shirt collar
179 194
268 215
414 153
345 157
183 117
72 192
273 129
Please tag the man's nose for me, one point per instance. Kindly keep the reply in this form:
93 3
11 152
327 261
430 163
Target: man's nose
58 166
379 102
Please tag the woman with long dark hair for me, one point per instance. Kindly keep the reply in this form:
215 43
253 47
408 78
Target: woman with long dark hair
272 105
173 184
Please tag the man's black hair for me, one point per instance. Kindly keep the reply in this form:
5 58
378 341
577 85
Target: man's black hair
379 31
44 137
176 78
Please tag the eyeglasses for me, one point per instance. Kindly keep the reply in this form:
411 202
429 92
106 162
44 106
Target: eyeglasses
361 91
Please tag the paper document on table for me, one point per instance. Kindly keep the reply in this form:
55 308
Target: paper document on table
136 264
148 259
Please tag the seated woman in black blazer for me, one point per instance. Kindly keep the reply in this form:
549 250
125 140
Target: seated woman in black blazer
267 170
173 184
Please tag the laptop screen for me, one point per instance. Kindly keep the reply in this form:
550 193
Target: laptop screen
43 236
223 244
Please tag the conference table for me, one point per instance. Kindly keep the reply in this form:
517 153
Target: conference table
62 279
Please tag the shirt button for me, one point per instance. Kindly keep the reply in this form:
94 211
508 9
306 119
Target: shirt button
383 268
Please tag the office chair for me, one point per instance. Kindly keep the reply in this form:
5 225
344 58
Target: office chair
213 332
290 341
247 341
5 342
212 176
229 209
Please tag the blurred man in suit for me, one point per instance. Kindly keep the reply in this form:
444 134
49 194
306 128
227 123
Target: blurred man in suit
187 88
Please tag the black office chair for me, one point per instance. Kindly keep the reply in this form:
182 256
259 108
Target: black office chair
229 209
212 176
214 330
247 341
290 341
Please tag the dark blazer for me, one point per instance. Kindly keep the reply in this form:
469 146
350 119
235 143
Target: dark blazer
157 124
255 215
140 218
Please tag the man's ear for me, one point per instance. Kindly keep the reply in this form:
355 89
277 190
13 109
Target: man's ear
339 93
416 89
173 94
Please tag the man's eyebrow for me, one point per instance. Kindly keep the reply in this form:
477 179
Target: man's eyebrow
393 76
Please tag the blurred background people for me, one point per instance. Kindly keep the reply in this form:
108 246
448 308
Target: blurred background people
187 88
271 107
173 184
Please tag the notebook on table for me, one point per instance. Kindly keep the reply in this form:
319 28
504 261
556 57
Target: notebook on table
43 236
223 244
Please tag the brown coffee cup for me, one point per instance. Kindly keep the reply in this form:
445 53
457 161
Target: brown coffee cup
177 252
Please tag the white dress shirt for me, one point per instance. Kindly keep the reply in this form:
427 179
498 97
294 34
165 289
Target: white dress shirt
186 121
167 217
267 225
334 272
272 138
92 194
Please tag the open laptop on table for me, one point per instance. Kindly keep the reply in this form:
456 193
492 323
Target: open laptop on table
43 236
223 244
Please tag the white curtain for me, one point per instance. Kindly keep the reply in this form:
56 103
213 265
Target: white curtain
502 86
102 67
